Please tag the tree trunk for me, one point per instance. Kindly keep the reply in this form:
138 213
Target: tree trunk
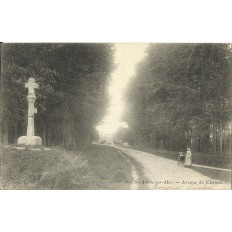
5 133
230 139
220 139
214 138
15 133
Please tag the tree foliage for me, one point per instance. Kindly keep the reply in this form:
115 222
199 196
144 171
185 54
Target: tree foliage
180 97
72 96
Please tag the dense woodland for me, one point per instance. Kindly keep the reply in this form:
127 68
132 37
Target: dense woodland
72 96
181 97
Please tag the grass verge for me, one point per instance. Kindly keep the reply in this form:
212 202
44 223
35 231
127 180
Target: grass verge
97 167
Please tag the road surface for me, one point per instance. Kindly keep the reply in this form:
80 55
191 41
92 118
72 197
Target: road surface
162 173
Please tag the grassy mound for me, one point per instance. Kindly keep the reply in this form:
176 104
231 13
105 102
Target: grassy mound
98 167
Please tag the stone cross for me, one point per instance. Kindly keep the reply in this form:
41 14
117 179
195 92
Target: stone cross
31 85
30 139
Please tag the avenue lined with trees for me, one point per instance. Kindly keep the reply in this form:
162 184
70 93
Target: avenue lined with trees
179 98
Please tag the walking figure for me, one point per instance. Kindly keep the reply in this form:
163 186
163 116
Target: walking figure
188 158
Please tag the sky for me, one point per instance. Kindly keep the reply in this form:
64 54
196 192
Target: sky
127 55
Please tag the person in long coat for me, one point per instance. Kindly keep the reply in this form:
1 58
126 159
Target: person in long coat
188 158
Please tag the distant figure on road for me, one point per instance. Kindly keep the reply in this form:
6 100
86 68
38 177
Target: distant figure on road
188 158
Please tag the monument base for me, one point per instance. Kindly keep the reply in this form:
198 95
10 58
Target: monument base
29 141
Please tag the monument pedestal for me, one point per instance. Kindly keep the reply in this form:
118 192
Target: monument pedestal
29 141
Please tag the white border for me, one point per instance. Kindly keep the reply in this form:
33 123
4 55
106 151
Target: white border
115 21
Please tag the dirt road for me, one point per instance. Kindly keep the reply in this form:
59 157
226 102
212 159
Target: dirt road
162 173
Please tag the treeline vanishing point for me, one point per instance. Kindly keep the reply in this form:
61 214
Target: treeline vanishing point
72 96
181 96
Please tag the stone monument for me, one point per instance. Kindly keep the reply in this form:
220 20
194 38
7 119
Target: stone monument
30 139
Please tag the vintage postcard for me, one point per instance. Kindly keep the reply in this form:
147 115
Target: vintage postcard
115 116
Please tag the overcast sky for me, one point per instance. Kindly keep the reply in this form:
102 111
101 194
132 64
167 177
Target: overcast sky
126 57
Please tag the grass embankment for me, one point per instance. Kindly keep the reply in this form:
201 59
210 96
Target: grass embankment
98 167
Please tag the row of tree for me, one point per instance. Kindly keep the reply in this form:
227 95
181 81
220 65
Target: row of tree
181 97
72 96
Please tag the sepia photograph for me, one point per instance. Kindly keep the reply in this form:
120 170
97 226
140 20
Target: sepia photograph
115 116
100 99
